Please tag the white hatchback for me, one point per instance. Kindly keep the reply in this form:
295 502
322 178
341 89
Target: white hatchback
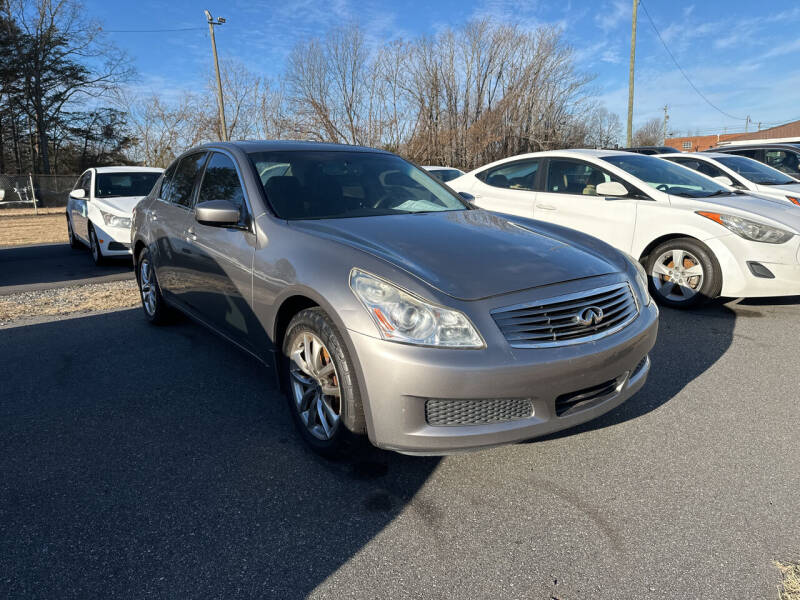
695 238
100 205
741 173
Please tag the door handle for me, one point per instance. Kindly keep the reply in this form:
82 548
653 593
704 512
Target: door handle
190 235
546 206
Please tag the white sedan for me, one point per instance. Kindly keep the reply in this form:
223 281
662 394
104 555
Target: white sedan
100 205
696 239
742 173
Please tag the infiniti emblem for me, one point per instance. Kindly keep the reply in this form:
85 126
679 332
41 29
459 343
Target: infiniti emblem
591 315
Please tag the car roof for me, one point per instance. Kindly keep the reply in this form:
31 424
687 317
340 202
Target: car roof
725 148
128 169
703 154
249 146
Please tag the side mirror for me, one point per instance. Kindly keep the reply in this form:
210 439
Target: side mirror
217 213
78 194
723 180
468 198
611 188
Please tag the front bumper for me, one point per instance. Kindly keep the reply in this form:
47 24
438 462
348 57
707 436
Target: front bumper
738 281
397 380
114 241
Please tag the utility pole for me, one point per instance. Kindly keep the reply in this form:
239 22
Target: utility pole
666 120
746 123
629 137
223 132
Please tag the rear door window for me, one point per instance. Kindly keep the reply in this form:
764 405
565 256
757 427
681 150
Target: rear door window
183 182
520 175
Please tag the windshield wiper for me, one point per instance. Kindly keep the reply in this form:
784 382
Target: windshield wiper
718 193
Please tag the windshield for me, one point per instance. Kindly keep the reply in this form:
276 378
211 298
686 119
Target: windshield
667 177
333 185
445 175
109 185
754 171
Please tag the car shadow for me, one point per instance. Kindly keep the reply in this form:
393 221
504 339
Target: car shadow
144 461
49 264
689 342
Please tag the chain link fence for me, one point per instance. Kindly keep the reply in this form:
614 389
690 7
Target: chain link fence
38 191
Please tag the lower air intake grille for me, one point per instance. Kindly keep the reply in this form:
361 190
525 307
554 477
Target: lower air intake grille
567 404
476 412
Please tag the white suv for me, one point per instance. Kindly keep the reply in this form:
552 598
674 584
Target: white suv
100 205
696 239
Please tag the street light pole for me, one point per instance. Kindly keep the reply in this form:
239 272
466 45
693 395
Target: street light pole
223 132
629 137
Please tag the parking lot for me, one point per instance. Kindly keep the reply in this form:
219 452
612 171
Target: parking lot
161 462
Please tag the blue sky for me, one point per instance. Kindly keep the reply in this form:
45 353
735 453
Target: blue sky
742 55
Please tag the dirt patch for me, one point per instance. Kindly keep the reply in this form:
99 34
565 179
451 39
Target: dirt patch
29 212
20 228
790 587
69 300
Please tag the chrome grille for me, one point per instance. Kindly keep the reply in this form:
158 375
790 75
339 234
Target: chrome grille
555 321
443 412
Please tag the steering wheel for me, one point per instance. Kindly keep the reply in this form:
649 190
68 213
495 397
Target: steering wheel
662 187
392 194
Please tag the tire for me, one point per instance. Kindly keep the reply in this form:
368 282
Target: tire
697 279
74 242
156 310
94 246
312 410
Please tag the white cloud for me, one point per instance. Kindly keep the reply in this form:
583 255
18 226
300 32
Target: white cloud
612 14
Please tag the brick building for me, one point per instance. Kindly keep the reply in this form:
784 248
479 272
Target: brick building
704 142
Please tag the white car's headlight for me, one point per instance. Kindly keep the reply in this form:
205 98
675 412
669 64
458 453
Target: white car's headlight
749 230
114 220
403 317
641 278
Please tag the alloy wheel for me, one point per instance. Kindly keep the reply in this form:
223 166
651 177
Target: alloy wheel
147 286
315 386
677 275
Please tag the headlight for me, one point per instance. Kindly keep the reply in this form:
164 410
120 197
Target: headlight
115 221
793 200
402 317
641 278
750 230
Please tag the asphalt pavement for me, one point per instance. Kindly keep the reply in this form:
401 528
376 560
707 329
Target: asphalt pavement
46 266
159 462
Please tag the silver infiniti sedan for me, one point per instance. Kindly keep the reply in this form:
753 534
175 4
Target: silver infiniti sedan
388 305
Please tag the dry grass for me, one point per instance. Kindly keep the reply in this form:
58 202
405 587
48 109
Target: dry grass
18 228
790 587
69 300
25 212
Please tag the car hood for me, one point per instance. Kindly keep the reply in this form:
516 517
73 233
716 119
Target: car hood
789 187
120 205
468 254
784 213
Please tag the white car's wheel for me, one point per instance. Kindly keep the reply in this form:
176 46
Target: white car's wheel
94 246
683 273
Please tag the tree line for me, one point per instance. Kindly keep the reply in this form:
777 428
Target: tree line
463 97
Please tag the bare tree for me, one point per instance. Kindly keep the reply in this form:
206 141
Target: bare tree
650 134
64 60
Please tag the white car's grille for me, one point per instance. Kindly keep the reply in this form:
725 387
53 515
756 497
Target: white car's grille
568 319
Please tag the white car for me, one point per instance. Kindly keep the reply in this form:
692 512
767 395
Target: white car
444 174
742 173
100 205
696 239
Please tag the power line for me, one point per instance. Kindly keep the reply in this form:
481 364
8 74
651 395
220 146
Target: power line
150 30
694 87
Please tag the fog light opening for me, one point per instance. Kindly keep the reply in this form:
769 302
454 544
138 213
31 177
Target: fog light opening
760 270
